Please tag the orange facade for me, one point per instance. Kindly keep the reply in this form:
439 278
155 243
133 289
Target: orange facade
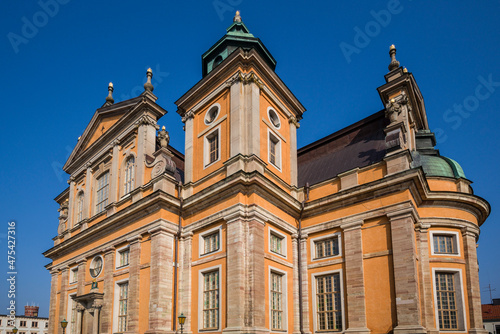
244 233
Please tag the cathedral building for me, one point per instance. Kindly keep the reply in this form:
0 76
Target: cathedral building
368 230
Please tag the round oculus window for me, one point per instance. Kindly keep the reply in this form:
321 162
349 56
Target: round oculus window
96 266
212 114
274 118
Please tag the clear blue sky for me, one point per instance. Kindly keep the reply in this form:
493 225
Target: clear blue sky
56 75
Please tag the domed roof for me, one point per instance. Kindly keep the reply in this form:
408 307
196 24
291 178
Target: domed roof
433 164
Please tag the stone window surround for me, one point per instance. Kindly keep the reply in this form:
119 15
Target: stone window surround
123 171
92 261
200 298
206 147
315 304
269 117
327 236
217 105
69 311
95 179
459 295
278 149
116 304
201 241
284 301
80 196
271 230
117 257
73 275
456 237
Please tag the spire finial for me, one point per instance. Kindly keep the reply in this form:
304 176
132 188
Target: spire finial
394 63
237 17
148 85
109 98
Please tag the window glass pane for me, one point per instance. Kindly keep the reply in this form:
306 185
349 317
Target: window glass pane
446 301
211 300
327 247
329 316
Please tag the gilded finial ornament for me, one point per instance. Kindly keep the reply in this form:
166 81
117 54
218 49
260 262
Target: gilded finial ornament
237 17
148 85
405 70
394 63
109 98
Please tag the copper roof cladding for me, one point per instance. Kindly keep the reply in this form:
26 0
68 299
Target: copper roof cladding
358 145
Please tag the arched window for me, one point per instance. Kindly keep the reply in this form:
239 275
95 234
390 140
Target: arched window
129 175
79 207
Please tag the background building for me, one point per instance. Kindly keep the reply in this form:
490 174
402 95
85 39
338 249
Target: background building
368 230
30 323
491 316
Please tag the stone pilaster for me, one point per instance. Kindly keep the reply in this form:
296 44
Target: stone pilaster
472 278
252 115
114 177
305 284
63 297
185 247
425 278
133 284
53 301
355 281
188 147
296 282
245 267
107 305
160 294
405 273
71 204
294 125
237 119
80 310
146 141
80 285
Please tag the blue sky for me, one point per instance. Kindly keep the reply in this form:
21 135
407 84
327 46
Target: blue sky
57 62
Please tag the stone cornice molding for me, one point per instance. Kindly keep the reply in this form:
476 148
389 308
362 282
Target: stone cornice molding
135 239
437 222
187 235
469 231
109 250
405 213
82 261
422 227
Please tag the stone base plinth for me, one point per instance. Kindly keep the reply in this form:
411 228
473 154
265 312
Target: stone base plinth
410 330
358 331
245 330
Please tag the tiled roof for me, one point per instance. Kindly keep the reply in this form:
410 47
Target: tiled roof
358 145
491 312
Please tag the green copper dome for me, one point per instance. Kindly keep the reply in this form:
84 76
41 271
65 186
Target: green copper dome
433 164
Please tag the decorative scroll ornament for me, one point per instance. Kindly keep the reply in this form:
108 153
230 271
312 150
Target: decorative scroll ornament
394 107
163 163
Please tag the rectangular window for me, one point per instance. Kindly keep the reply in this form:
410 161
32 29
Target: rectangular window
276 301
73 275
327 247
446 301
123 257
79 211
211 242
34 324
22 323
102 192
213 145
277 243
274 154
47 325
122 307
211 300
444 244
328 298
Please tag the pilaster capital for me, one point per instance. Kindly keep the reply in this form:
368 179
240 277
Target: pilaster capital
108 250
187 116
160 230
81 262
304 236
468 231
134 239
422 227
54 272
187 235
88 165
64 270
407 213
294 237
116 142
146 120
293 120
352 225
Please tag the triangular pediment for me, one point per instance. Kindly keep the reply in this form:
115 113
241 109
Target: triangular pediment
106 124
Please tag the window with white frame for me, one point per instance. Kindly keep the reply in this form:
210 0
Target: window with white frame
122 257
79 207
450 308
212 147
210 300
277 242
71 316
128 182
274 150
102 192
73 275
328 296
445 243
210 241
325 246
122 306
277 284
34 324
